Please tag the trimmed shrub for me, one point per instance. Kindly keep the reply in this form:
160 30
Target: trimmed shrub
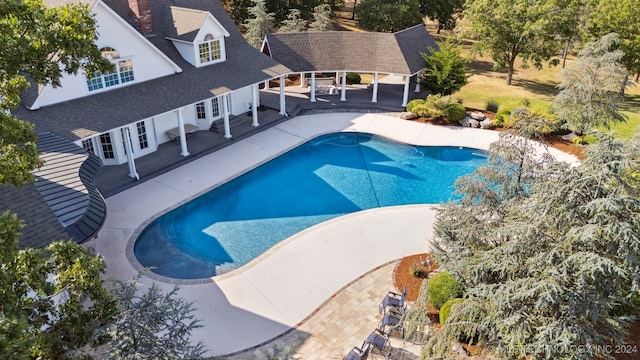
445 310
443 287
502 116
492 105
422 110
455 112
353 78
413 103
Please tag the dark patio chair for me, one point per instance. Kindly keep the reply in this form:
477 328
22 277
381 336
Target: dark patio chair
379 340
392 321
394 300
358 353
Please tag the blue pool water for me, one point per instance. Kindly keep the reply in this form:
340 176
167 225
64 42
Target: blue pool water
329 176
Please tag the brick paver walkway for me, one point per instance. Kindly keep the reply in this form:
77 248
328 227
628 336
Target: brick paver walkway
341 323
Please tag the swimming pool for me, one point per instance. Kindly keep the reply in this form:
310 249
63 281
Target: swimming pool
324 178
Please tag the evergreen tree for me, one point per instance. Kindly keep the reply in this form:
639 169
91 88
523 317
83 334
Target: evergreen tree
549 254
589 95
321 18
153 325
445 70
294 22
259 23
388 15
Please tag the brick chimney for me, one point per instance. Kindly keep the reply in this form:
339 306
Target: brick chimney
141 10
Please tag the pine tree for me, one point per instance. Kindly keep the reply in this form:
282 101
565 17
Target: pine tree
258 24
153 325
294 22
550 255
590 90
321 18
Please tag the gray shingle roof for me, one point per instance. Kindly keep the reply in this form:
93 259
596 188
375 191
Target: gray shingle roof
397 53
101 112
183 24
63 203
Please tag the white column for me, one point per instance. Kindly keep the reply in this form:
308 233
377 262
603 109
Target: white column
405 95
283 103
266 85
183 135
302 80
225 109
254 105
374 97
132 164
313 87
417 89
343 90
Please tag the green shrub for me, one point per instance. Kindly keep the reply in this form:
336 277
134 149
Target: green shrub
502 116
587 139
443 287
455 112
492 105
445 310
422 110
413 103
353 78
419 272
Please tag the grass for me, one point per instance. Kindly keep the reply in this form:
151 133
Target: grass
539 87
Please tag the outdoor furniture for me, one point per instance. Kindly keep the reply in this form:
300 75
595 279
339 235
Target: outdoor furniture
393 299
358 353
379 340
392 321
174 134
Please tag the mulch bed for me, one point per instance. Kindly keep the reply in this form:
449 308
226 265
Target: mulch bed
403 276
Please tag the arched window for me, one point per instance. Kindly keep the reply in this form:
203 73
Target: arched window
123 71
209 50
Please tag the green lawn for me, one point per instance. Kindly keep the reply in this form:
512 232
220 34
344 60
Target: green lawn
536 86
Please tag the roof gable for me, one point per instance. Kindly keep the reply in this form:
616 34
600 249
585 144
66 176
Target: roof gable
184 24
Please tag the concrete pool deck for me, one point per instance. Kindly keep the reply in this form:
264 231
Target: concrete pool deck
277 292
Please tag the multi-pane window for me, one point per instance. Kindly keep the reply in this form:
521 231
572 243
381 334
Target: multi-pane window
107 146
142 135
88 145
123 71
124 137
200 111
215 107
209 50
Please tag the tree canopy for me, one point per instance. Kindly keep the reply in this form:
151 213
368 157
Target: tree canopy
549 252
44 43
52 302
388 15
445 70
442 11
321 19
589 94
259 23
508 29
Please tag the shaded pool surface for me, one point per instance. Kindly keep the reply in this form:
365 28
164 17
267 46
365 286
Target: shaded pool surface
324 178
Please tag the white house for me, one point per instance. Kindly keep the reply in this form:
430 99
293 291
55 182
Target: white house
180 65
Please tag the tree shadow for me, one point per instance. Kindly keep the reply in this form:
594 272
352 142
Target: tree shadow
631 103
537 87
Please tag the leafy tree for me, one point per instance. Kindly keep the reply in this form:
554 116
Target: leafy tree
238 10
445 71
589 95
153 325
508 29
621 17
388 15
44 43
52 300
321 19
293 23
549 253
259 24
443 11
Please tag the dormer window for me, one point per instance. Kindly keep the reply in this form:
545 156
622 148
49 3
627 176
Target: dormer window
209 50
123 71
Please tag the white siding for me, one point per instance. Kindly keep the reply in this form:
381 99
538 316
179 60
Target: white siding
240 100
148 62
